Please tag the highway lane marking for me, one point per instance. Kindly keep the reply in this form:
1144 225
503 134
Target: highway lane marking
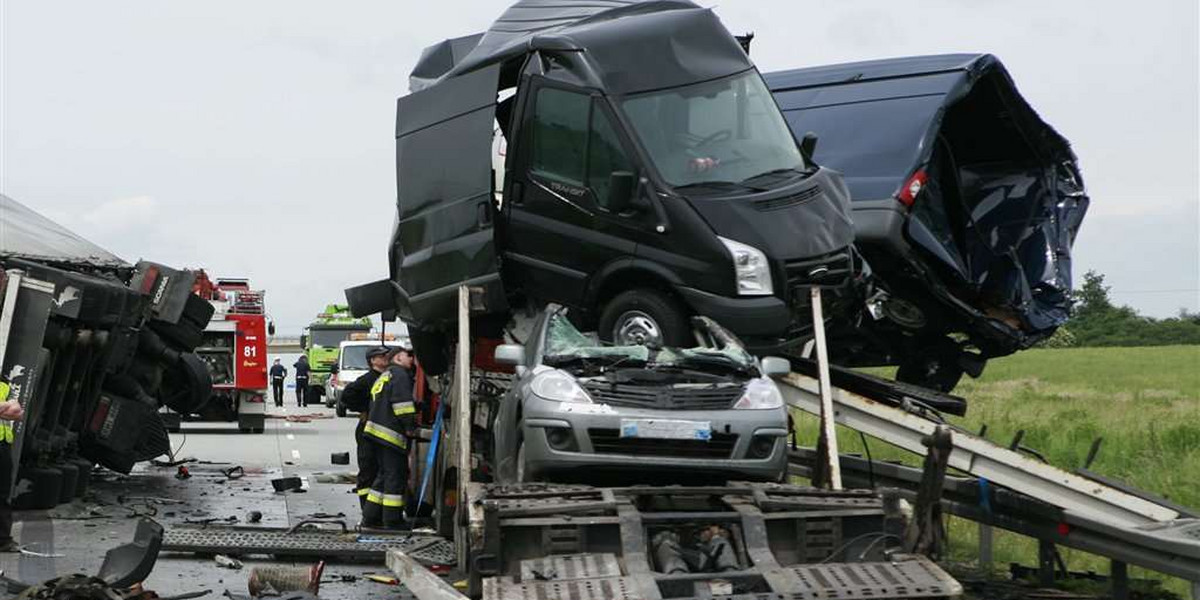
287 423
291 437
295 454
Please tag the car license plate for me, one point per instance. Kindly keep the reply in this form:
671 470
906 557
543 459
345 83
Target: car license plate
666 429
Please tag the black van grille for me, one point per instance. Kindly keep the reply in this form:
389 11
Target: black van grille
831 270
786 201
609 441
665 397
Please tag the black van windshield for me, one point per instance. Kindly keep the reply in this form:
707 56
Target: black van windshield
723 131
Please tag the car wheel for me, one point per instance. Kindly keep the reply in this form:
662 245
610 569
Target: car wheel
341 409
644 316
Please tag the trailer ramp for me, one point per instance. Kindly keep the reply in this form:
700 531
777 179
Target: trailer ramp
1010 489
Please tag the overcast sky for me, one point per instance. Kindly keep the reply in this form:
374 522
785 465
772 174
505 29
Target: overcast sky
256 138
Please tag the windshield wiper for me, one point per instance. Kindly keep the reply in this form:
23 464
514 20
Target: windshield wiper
719 185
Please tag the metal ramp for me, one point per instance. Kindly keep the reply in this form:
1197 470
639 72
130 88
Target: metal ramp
1012 490
316 543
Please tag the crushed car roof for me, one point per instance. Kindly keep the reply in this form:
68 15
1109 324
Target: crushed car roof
27 234
676 42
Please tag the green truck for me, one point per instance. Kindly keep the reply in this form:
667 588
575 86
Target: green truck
320 343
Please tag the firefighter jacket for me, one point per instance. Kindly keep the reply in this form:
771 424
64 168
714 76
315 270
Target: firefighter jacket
356 396
393 415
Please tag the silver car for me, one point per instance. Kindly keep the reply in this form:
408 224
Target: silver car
579 407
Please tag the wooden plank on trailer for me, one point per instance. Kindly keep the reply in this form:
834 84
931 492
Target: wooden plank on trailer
422 582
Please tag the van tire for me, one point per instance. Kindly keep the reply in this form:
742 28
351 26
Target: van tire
664 313
340 409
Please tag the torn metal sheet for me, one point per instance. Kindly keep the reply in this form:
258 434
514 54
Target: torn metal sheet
960 190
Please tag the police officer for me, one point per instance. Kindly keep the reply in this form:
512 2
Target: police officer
302 370
278 373
357 397
9 412
391 423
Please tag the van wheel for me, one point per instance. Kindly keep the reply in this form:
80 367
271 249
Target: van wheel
341 408
937 368
644 316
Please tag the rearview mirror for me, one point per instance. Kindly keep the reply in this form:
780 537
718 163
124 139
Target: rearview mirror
620 190
510 354
304 341
808 145
773 366
271 328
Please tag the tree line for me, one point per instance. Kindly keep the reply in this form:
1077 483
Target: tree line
1096 321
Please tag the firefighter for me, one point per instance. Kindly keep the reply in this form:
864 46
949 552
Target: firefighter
302 370
278 373
391 423
9 412
357 397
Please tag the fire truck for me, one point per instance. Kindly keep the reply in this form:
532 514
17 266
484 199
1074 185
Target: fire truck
234 348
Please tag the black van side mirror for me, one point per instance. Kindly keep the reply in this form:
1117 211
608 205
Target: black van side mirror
620 190
808 146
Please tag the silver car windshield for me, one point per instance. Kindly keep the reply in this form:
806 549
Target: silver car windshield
564 341
723 131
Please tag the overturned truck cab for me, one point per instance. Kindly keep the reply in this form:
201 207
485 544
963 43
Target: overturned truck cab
644 174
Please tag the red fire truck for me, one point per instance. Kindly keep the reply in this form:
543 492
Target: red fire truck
234 347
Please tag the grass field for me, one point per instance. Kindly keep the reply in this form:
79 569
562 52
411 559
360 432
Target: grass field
1144 402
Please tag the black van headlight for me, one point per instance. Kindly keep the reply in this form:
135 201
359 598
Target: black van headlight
751 269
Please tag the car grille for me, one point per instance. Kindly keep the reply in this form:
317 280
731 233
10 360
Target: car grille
668 398
609 441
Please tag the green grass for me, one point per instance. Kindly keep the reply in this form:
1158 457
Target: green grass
1144 402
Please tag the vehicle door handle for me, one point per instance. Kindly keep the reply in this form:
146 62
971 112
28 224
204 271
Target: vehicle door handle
518 193
483 216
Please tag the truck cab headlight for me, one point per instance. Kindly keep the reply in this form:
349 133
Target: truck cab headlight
750 268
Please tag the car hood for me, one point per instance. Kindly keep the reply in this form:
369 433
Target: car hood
805 219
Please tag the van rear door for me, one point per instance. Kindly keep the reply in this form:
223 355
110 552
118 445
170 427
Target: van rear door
443 234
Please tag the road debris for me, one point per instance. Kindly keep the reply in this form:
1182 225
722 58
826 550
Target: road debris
284 484
227 562
263 580
254 516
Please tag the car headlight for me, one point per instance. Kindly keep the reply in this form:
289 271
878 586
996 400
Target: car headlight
750 269
760 394
559 387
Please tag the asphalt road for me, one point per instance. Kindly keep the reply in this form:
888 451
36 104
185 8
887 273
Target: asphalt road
74 537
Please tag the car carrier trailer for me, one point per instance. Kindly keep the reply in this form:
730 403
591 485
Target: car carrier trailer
543 540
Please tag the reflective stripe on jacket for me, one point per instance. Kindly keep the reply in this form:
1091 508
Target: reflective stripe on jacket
392 413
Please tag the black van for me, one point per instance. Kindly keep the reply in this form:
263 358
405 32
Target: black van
966 205
648 176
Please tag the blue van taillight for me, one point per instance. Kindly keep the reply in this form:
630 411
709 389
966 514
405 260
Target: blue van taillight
912 188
